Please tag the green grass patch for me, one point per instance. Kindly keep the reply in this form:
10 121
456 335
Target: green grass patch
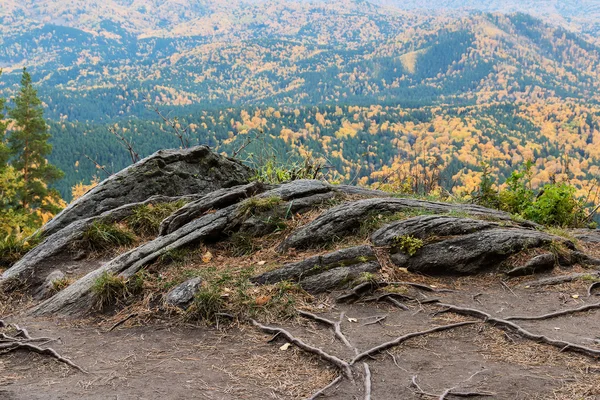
109 289
101 236
256 205
146 218
408 244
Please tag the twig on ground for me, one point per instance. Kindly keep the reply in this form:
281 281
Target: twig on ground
367 381
509 288
397 341
322 391
475 297
377 319
341 364
555 314
563 345
121 322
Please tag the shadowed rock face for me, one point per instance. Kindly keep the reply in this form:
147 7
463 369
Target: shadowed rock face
326 272
167 172
459 245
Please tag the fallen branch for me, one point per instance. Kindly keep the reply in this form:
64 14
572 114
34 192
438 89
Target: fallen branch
509 288
555 314
322 391
397 341
563 345
121 322
367 381
336 325
342 365
376 320
9 347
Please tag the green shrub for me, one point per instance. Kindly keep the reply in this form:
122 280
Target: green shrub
408 244
556 205
275 171
518 195
101 236
146 218
13 248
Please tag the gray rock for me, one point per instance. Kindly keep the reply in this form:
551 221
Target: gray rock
345 219
182 295
37 263
587 235
317 264
78 298
216 200
337 278
474 252
47 287
541 263
167 172
426 226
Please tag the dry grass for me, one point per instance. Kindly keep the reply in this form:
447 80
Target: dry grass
290 374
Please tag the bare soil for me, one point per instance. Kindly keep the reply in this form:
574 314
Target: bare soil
171 360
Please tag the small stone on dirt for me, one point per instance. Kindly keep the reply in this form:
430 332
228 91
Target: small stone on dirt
182 295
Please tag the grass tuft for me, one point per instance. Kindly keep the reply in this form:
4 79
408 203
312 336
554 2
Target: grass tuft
101 236
146 218
109 289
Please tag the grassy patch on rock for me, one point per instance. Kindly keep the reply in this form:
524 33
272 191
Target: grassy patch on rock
101 236
146 218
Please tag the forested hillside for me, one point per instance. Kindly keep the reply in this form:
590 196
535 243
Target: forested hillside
373 89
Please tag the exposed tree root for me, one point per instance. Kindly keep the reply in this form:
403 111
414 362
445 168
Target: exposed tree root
335 325
592 287
322 391
18 345
367 381
418 286
22 340
452 391
557 280
562 345
358 291
555 314
341 364
397 341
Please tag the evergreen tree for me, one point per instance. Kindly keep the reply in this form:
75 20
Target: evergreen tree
28 145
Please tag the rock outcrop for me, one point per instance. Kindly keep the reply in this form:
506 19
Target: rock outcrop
451 245
325 272
442 238
167 173
344 220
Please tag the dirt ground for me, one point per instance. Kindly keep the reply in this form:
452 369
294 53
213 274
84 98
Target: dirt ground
171 360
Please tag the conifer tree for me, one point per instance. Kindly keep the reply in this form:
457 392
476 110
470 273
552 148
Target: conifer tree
28 146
